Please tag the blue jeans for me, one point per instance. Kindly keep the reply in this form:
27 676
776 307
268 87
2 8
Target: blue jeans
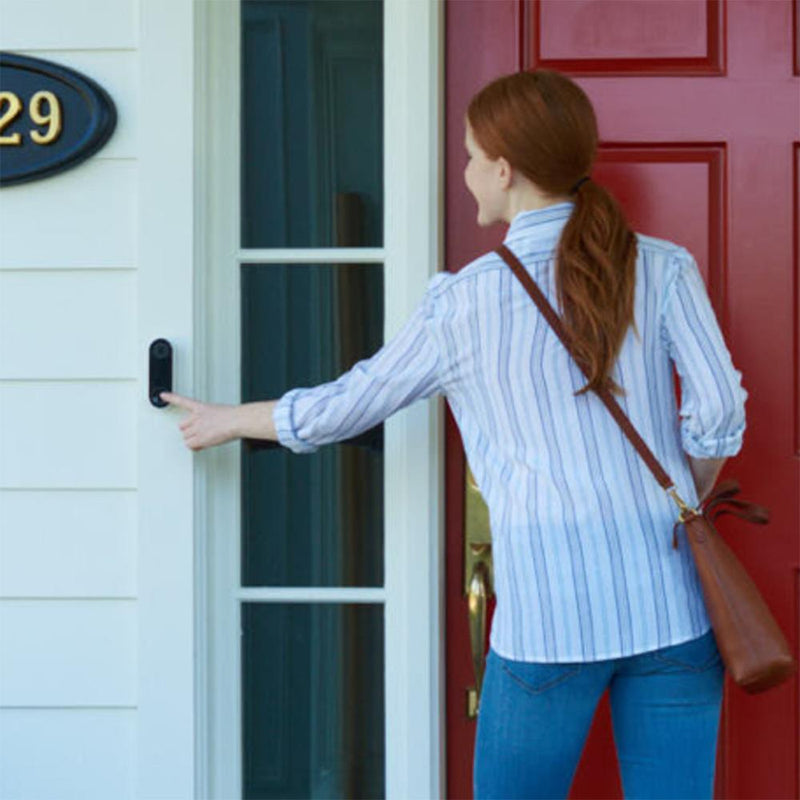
534 718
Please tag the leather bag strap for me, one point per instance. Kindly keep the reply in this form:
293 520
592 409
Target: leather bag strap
605 395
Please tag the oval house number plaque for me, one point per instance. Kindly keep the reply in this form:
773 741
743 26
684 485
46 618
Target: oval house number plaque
51 118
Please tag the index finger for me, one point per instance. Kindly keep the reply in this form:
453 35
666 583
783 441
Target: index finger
177 400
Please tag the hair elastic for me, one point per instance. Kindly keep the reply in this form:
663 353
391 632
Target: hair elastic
578 184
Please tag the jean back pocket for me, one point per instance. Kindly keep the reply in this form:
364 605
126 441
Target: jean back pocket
696 654
538 676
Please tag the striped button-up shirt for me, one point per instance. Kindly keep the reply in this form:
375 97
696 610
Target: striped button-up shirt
584 567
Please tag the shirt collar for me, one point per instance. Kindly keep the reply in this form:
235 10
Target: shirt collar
539 223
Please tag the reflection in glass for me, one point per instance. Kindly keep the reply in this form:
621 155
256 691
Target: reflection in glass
312 678
314 519
312 123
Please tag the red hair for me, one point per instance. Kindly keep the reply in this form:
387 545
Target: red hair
544 125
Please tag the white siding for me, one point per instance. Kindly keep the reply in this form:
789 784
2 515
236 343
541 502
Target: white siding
50 321
67 435
60 754
46 556
67 653
75 25
74 329
84 217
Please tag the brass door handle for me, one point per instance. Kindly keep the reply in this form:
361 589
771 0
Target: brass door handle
477 582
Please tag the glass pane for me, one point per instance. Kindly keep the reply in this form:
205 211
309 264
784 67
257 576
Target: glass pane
312 681
312 519
312 123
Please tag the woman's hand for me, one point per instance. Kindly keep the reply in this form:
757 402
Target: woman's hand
207 425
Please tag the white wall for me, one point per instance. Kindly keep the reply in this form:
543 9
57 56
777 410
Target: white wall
77 586
97 491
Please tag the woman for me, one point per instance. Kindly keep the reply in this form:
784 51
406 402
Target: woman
590 592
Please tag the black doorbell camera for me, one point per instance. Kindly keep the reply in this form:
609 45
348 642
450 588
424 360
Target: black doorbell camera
160 371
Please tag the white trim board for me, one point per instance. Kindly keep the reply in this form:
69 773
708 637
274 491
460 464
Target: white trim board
166 703
415 494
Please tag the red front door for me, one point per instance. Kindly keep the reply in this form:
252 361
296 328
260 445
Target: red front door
698 105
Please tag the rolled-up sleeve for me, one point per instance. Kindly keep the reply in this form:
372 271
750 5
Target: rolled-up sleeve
712 413
407 368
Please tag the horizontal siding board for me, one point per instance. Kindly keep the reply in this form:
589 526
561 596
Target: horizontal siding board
68 653
67 324
68 544
53 24
82 218
68 434
68 754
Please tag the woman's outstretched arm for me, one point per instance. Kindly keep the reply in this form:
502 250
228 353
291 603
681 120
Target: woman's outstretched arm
404 369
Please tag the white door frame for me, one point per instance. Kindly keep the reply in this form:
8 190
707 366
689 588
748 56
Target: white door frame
413 438
166 705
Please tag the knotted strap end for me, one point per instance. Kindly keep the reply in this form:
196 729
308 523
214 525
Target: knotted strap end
675 535
720 501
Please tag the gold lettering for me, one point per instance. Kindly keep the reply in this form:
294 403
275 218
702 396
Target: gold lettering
7 117
52 118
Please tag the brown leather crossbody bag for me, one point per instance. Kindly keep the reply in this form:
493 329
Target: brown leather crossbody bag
751 643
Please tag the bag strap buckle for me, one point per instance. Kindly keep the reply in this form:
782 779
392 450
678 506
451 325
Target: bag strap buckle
687 512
